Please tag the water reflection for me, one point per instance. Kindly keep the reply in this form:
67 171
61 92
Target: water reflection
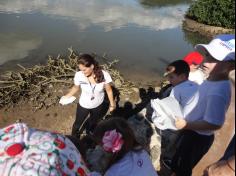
17 46
142 38
109 14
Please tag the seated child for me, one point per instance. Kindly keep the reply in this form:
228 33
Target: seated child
26 151
194 60
127 158
184 91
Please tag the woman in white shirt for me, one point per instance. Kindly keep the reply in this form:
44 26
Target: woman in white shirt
127 158
93 82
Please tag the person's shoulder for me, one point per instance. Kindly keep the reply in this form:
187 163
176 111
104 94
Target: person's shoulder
190 83
222 88
186 85
79 74
105 73
107 76
123 166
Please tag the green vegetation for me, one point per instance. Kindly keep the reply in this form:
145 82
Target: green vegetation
219 13
160 3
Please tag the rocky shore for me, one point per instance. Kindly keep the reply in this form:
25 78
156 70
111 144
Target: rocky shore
206 30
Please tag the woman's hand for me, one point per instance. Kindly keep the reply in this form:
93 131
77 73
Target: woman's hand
180 123
112 108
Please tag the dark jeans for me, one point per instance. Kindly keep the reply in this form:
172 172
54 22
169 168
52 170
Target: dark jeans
87 119
169 140
190 150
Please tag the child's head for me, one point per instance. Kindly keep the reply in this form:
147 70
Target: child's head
116 137
194 60
177 72
219 57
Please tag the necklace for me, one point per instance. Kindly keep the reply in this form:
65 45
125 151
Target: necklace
93 89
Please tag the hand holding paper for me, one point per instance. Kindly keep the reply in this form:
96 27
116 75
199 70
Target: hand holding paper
67 100
180 123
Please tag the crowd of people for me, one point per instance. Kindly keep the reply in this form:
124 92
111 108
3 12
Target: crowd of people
200 83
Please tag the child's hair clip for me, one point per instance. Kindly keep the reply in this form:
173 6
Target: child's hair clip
112 141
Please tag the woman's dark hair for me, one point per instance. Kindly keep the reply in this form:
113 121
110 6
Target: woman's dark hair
121 126
87 60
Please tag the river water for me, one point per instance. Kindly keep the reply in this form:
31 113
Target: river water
145 35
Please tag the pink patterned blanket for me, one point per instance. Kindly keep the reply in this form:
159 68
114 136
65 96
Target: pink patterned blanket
30 152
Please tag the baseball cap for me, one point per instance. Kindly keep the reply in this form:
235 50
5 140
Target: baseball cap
177 67
194 58
222 47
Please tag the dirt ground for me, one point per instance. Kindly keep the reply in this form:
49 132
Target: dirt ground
60 119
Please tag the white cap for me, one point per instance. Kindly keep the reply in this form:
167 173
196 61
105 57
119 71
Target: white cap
222 47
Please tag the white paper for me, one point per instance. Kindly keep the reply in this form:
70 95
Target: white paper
165 113
67 100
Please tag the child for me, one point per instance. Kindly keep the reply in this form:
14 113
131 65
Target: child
127 158
209 114
184 91
194 60
93 82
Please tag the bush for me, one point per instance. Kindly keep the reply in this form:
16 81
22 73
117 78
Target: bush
213 12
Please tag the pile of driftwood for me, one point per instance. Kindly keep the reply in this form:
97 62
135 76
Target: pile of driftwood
38 84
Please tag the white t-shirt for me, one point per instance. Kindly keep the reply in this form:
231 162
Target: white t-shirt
133 164
213 103
92 95
197 76
186 94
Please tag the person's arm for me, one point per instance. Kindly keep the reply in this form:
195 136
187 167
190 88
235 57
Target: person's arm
198 125
73 91
222 168
109 91
214 116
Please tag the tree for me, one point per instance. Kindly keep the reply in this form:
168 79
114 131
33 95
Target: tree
219 13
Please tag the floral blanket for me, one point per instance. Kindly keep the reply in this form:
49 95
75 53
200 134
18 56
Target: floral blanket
30 152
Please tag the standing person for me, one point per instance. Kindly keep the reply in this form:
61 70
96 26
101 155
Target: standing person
209 114
184 91
226 166
194 60
93 82
127 157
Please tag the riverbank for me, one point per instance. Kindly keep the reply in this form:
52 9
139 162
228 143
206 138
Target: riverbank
60 118
206 30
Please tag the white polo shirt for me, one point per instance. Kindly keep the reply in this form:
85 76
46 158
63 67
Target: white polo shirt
92 95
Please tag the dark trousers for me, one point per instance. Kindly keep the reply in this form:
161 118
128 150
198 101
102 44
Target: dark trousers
191 148
87 119
169 140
